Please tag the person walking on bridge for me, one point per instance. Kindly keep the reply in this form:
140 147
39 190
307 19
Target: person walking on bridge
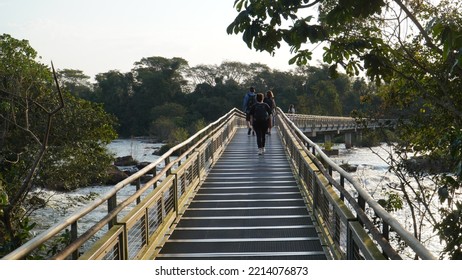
249 101
260 115
269 99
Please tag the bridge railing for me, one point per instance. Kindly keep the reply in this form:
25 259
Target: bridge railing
313 123
132 226
348 231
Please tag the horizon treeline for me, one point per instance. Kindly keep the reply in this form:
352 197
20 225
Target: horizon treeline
169 100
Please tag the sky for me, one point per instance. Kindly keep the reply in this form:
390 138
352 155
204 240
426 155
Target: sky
97 36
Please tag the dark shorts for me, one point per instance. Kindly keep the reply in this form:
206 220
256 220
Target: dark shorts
247 117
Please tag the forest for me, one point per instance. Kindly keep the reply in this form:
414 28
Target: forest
167 99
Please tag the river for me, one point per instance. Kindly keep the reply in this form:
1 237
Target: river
61 204
374 175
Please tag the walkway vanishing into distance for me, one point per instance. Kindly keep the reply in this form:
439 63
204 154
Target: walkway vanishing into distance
213 197
249 207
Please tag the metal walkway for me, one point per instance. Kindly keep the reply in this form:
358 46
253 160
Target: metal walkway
249 207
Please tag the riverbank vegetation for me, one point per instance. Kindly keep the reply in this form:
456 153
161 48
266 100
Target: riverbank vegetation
48 138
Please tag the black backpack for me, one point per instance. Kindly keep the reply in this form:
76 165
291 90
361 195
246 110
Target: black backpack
261 112
251 101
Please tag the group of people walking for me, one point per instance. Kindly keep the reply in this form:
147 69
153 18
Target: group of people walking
260 110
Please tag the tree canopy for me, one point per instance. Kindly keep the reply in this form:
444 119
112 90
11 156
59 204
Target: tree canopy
45 132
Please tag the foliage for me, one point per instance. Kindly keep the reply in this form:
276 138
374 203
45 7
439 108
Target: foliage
451 228
75 81
328 145
81 154
392 202
47 137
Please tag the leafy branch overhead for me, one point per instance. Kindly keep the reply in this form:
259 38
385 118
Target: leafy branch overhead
356 34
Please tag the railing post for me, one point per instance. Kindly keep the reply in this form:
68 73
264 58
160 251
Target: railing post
350 244
111 205
154 173
198 163
138 186
175 194
315 192
342 183
166 162
74 235
123 247
362 205
385 234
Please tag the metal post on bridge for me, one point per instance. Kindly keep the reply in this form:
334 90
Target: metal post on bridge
359 137
74 236
111 205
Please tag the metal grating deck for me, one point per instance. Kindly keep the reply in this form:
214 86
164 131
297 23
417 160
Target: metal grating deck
249 207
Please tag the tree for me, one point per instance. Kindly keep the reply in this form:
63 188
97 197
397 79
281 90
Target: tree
413 48
41 128
115 91
77 147
27 109
157 80
76 82
203 74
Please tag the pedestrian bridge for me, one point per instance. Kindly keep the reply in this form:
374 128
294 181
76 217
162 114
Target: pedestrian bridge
213 197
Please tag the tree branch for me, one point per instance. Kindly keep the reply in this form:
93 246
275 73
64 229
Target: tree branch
424 33
27 184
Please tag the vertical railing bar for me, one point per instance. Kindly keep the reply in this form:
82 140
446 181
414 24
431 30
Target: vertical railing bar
175 194
350 243
74 235
166 162
362 205
386 235
111 205
138 187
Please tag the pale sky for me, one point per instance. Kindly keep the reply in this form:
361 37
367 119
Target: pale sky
97 36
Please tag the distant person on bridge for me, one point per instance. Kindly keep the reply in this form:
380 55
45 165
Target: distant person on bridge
291 109
260 113
249 101
269 99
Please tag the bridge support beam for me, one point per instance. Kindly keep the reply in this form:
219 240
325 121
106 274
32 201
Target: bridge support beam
348 142
327 138
359 138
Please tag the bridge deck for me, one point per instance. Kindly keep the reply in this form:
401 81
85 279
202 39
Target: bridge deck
249 207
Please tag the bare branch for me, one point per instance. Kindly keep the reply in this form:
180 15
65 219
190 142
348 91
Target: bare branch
26 186
424 33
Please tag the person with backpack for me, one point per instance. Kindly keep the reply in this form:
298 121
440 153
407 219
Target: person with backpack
249 101
260 113
269 99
